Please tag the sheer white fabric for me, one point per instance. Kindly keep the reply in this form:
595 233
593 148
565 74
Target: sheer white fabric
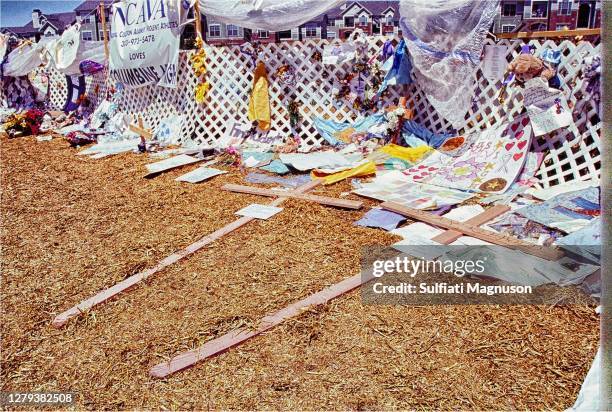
271 15
23 60
445 40
67 52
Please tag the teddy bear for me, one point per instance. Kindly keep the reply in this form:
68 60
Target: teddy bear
527 66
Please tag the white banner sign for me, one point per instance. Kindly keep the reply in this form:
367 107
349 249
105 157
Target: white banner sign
144 44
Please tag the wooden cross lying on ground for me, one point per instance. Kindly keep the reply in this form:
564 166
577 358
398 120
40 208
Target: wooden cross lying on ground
127 283
470 229
330 201
236 337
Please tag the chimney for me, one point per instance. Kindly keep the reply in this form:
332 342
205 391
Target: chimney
36 18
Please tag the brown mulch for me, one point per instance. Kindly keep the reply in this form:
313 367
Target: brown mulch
72 226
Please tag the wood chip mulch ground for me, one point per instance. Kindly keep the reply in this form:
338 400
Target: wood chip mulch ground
73 225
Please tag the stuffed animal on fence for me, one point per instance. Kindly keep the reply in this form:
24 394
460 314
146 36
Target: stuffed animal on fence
527 66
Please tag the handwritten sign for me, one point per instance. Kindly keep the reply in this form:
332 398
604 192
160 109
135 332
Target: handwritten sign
144 42
259 211
537 93
547 107
494 62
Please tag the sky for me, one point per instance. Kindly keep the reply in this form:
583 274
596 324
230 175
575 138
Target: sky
19 12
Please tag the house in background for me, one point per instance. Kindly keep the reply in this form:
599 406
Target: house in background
221 33
374 17
539 15
42 27
88 15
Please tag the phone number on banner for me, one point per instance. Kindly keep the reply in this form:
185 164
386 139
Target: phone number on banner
138 40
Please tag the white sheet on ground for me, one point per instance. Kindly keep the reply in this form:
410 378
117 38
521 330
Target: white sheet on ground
112 147
589 397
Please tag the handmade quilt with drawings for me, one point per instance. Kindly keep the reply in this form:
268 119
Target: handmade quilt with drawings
395 187
490 163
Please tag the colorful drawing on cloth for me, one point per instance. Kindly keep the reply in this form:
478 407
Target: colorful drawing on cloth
168 131
396 187
579 205
490 162
380 218
523 228
530 168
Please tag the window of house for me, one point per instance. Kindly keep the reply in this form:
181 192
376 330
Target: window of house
331 22
539 9
285 35
263 34
310 32
86 35
509 10
232 31
508 28
91 18
389 18
214 30
565 7
349 22
363 19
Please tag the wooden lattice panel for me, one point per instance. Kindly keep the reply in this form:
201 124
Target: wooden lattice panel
571 154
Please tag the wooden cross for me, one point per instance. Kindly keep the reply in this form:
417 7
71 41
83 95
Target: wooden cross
142 132
238 336
329 201
130 281
471 229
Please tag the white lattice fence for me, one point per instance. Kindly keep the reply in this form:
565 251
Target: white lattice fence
95 88
572 154
58 92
